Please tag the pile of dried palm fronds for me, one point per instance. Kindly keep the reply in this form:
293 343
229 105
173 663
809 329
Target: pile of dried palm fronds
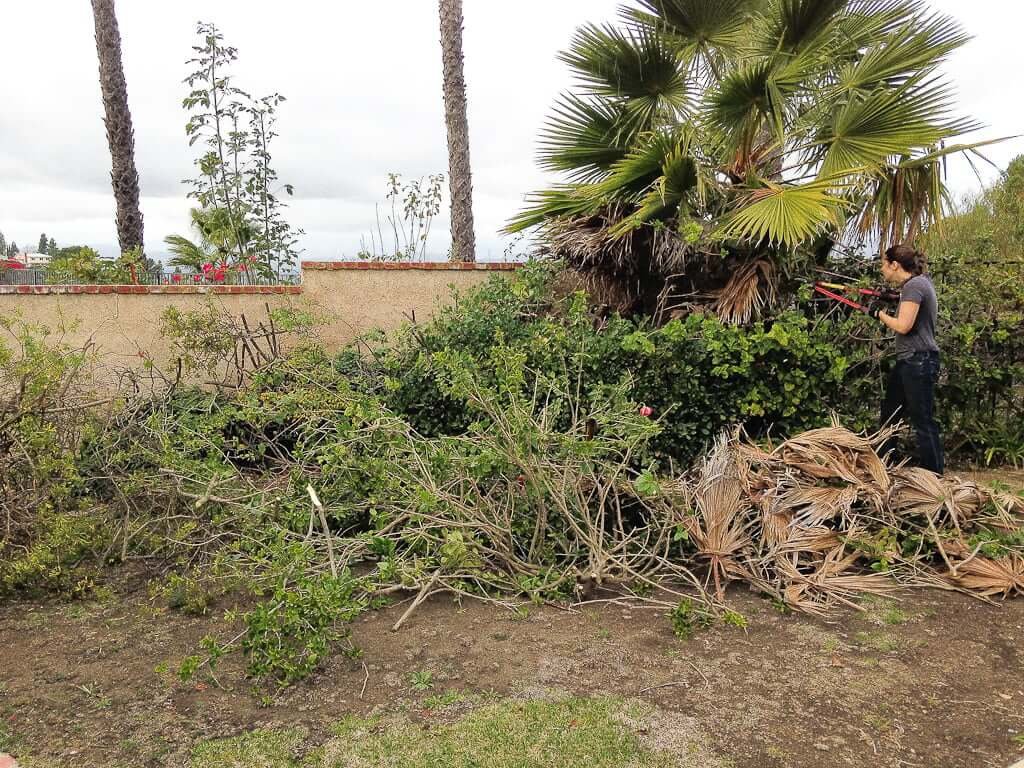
822 518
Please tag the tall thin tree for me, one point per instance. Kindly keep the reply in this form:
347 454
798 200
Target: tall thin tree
460 175
120 135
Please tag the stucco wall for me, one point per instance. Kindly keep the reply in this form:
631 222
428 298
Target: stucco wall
352 297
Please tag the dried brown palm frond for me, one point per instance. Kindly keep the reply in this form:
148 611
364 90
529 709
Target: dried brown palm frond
989 577
812 505
590 242
832 581
775 528
721 526
809 539
756 457
749 290
944 502
837 453
1002 510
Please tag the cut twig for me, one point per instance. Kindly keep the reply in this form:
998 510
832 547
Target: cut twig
319 507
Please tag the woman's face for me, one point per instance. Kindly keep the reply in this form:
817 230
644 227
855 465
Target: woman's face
891 271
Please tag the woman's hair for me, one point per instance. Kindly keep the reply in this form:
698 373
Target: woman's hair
913 261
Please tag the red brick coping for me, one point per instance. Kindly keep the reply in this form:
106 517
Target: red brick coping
49 290
456 266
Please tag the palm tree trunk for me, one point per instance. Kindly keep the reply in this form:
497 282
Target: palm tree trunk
120 136
460 175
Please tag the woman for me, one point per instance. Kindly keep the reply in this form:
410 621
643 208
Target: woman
910 392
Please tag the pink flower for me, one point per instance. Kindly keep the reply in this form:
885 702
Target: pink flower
242 267
646 411
207 267
176 278
196 278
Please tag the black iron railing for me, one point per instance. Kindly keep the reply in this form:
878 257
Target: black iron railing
148 277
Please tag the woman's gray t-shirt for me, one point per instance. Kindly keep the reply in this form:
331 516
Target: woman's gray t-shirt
920 338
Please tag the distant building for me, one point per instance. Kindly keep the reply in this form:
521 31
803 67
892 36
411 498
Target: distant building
32 260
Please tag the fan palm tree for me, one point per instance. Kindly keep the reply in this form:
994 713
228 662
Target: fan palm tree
460 176
118 119
219 241
729 142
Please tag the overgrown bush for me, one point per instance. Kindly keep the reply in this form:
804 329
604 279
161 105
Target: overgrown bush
977 260
697 372
47 525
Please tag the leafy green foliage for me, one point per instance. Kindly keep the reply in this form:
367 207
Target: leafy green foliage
240 217
688 618
289 635
698 374
46 532
976 260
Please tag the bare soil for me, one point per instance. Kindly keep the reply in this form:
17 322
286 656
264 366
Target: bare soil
939 681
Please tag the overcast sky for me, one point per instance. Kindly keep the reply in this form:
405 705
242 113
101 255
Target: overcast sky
363 82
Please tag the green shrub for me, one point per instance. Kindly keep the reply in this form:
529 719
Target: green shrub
979 274
700 374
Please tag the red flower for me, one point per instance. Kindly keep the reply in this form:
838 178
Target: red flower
219 275
207 267
196 278
242 267
176 278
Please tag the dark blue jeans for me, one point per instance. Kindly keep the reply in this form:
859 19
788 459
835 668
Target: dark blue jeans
910 397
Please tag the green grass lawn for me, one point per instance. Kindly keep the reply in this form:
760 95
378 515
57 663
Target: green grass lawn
572 733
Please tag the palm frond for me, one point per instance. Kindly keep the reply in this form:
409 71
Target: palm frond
916 46
186 253
701 31
564 200
585 137
787 215
902 201
867 131
793 26
749 289
635 65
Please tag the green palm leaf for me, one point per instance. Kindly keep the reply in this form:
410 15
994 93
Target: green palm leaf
185 252
699 30
635 65
566 200
787 215
794 26
585 137
902 53
867 131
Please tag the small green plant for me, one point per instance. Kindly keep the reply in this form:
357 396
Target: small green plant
894 616
688 618
734 619
446 699
878 641
94 692
421 680
186 594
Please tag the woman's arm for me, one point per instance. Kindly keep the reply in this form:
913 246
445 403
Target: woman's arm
904 321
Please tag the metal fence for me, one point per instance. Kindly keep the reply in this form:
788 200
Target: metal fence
148 277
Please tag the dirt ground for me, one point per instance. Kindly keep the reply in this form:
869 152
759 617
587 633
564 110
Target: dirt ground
934 680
